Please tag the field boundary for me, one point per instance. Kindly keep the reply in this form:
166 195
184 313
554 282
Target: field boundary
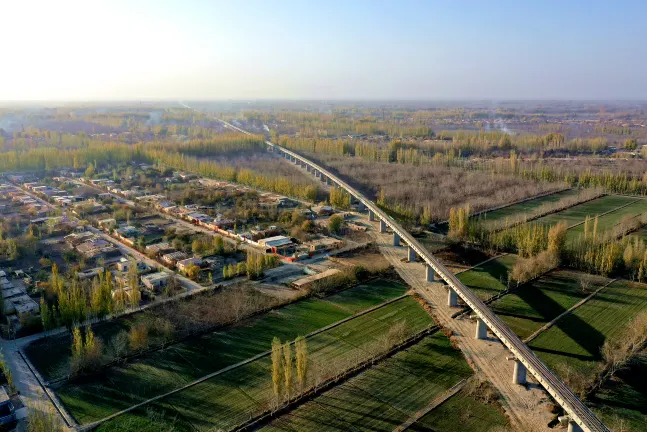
534 197
229 368
69 421
484 262
605 213
438 400
566 312
266 416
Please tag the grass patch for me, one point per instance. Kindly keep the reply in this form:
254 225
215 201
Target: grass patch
463 413
576 339
490 278
578 213
622 402
525 207
532 306
224 401
610 220
384 396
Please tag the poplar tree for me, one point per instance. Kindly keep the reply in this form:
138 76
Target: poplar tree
301 349
276 367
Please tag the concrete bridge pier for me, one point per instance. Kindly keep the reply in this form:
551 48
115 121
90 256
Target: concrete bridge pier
328 181
411 254
429 273
519 374
382 226
323 178
371 216
308 168
361 207
481 329
396 239
574 427
317 173
452 297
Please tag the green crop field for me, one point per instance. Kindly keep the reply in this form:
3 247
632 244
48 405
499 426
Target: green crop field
490 278
576 339
531 306
621 403
612 219
526 206
384 396
462 413
578 213
162 371
224 401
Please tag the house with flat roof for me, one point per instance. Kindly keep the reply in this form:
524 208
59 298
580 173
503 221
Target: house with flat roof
155 281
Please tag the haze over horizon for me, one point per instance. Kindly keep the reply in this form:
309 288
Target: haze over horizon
114 50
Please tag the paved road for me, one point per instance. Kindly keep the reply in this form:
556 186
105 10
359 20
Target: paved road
578 412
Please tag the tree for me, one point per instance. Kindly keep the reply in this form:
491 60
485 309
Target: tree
335 223
301 349
192 271
90 171
631 144
218 245
557 239
46 315
287 368
276 367
138 337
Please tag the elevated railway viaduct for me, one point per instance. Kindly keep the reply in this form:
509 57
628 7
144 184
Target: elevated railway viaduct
581 418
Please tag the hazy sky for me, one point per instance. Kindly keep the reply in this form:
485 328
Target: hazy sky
306 49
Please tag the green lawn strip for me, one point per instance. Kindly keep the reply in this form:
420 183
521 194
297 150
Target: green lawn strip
462 413
526 206
490 278
384 396
622 402
612 219
367 295
575 340
118 388
532 305
578 213
226 400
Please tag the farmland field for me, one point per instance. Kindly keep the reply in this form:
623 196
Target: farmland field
462 413
224 401
526 206
384 396
578 213
490 278
621 403
576 339
161 371
610 220
531 306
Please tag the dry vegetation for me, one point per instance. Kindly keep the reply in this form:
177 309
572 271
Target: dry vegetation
415 190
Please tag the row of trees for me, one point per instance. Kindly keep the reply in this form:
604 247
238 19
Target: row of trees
71 302
253 267
339 198
283 367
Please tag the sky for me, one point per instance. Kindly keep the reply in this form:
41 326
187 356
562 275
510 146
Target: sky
307 49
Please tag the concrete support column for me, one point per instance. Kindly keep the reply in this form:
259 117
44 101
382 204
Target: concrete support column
328 181
361 207
396 239
317 173
411 254
519 374
452 297
481 329
371 216
574 427
429 273
382 226
308 168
